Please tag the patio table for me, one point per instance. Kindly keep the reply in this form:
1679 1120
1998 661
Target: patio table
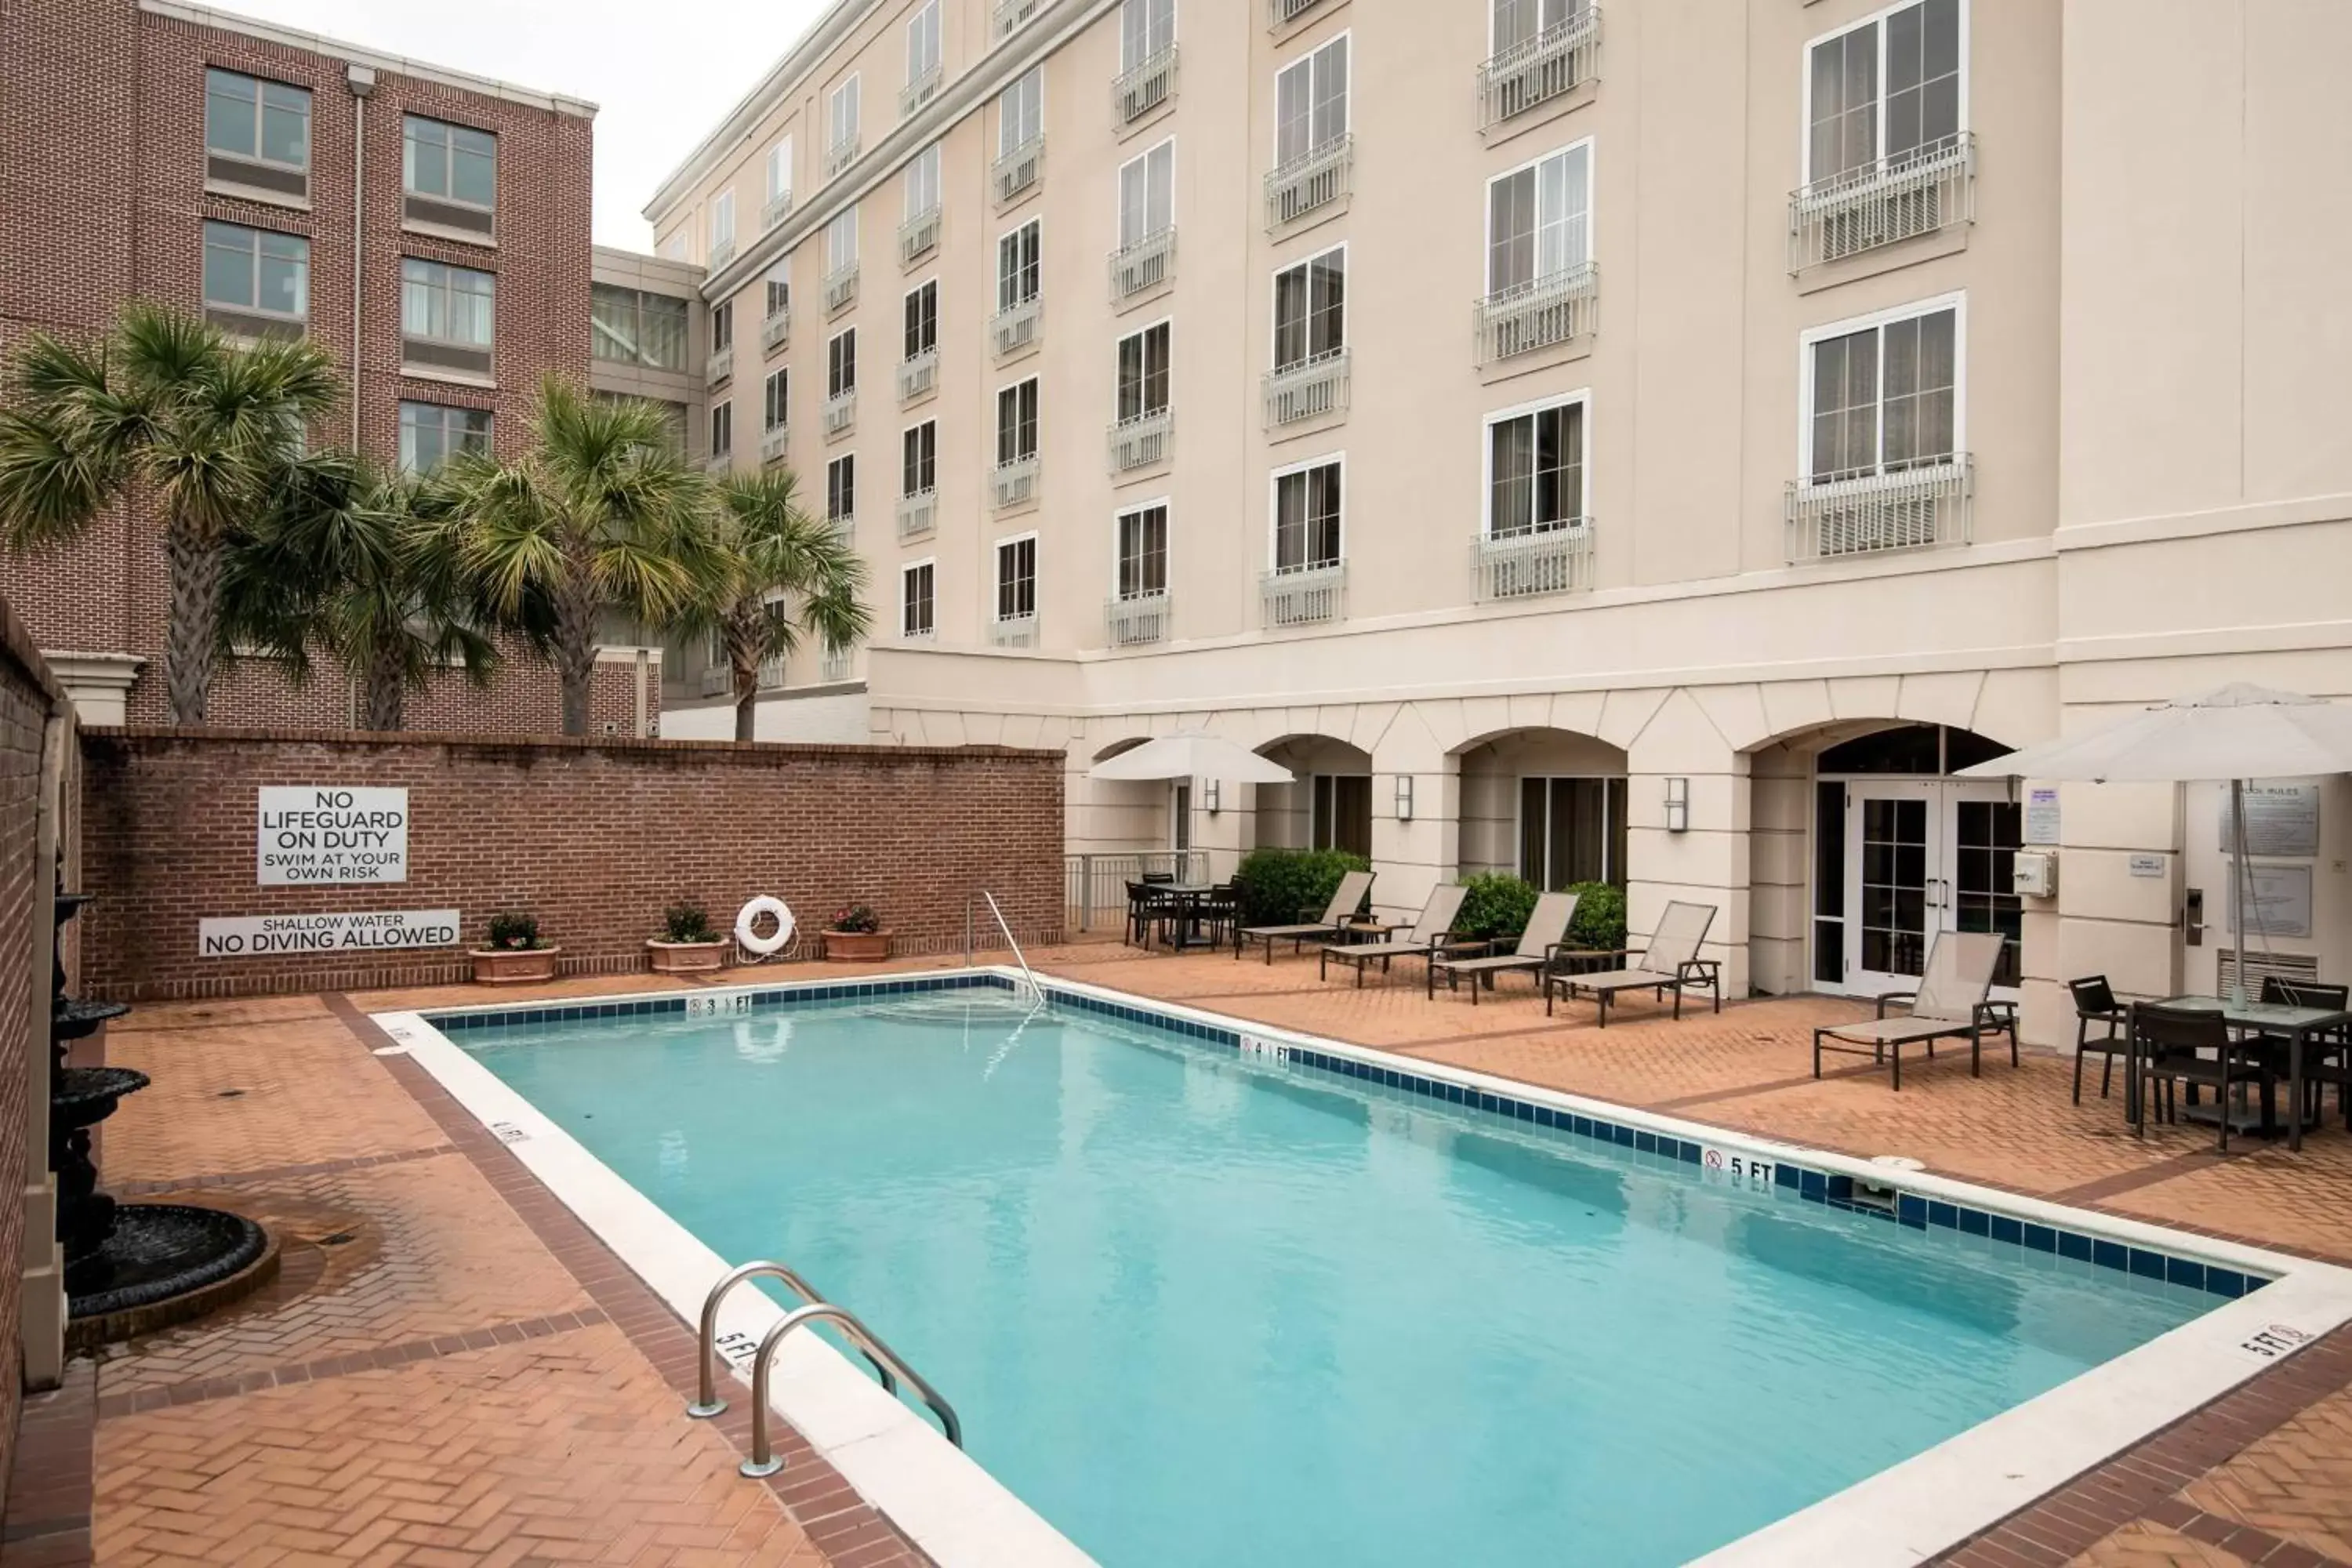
1185 931
2297 1024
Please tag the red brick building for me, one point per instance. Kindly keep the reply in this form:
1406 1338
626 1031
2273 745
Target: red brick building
429 228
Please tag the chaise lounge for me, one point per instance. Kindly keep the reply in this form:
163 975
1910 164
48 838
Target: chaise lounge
1428 935
1954 1000
1540 945
1669 963
1336 919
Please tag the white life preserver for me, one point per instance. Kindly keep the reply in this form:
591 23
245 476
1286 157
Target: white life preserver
747 936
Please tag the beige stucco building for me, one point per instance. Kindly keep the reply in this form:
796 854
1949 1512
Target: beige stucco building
1654 442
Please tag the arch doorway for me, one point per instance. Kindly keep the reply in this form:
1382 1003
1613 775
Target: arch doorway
1329 806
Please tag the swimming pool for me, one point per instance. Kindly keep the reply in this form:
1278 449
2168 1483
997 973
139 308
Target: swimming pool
1199 1296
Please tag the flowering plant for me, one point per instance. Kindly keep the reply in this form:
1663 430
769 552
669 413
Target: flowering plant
686 923
857 918
516 931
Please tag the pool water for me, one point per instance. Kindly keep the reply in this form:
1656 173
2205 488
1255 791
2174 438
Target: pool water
1196 1307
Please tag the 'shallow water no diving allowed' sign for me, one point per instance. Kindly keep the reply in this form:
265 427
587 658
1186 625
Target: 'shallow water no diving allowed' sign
309 836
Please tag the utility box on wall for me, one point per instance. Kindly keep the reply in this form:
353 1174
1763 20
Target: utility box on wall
2033 874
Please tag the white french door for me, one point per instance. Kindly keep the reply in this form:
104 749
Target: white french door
1924 856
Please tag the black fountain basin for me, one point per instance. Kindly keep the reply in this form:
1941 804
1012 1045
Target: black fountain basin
80 1096
161 1265
72 1020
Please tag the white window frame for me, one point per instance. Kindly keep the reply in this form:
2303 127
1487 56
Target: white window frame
1347 121
1957 301
1591 206
1119 341
404 425
1036 221
932 283
1273 304
450 163
1575 9
447 289
1175 22
1582 398
996 420
830 391
1273 502
253 271
917 69
261 86
852 91
1168 145
775 395
1166 503
1609 823
723 220
1035 73
832 466
1805 84
996 573
722 413
905 572
778 173
928 159
905 431
844 222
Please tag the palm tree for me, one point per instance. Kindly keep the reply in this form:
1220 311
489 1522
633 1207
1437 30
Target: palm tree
165 409
788 575
600 513
348 560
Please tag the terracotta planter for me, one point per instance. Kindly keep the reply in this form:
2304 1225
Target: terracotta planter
857 946
513 965
686 957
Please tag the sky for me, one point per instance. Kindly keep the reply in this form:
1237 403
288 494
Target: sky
661 74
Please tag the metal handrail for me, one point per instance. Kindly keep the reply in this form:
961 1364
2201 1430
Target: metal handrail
709 1404
764 1460
1035 989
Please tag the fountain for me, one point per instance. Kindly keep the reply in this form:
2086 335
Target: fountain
134 1268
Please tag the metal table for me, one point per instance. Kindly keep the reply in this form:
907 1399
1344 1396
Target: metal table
1186 931
2296 1024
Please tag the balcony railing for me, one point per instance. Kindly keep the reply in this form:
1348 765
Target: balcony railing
844 528
919 375
774 444
841 289
919 236
771 674
1304 186
1553 560
777 208
1142 441
1010 14
1867 512
1143 265
1312 389
1528 73
836 665
841 154
1536 315
840 412
720 368
1282 12
1016 327
1098 884
1303 596
723 251
1137 619
1916 193
1136 93
1018 170
1015 483
919 91
1013 631
718 680
918 514
776 330
719 462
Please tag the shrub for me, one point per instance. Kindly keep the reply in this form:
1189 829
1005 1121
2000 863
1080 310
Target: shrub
686 922
1279 886
517 931
858 918
1495 906
1599 921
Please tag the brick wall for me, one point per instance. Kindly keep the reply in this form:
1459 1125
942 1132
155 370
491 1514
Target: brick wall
523 698
594 837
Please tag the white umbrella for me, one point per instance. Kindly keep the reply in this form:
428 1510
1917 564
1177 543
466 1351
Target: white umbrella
1191 756
2237 733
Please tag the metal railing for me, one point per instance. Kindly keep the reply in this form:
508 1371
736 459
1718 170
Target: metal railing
764 1460
1018 170
723 251
1095 885
1914 193
719 367
719 462
1010 14
836 665
1534 315
1137 619
1554 560
918 514
919 375
772 673
970 901
1147 264
840 155
1015 327
1142 441
1013 483
918 92
918 236
776 329
776 209
844 528
1865 512
1311 389
1013 631
1529 72
1310 182
775 443
1136 93
840 412
707 1403
841 289
716 680
1303 596
1282 12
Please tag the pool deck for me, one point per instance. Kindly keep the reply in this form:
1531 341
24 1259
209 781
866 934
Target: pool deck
451 1370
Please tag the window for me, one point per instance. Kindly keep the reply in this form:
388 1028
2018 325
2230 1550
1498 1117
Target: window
1884 397
446 304
1147 195
626 327
779 184
1146 28
723 430
920 458
1143 373
776 406
841 243
1021 114
779 288
923 182
722 327
1539 220
1571 830
1516 22
1535 470
840 488
1143 551
255 121
1307 516
722 225
915 600
450 163
1016 578
429 434
923 43
842 119
257 271
841 363
672 245
1310 317
923 319
1310 102
1016 422
1340 813
1885 92
1017 266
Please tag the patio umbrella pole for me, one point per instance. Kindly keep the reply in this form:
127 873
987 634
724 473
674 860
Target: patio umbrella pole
2238 884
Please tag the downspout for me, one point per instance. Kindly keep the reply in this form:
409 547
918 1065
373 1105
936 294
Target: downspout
41 1303
362 83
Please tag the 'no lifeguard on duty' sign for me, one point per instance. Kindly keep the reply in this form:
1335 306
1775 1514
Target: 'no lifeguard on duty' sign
311 835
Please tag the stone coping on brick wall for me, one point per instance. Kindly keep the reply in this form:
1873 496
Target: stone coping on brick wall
147 735
27 656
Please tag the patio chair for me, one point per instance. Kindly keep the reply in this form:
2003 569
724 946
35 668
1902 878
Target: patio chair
2095 1003
2194 1045
1148 906
1670 962
1954 1000
1337 917
2327 1057
1432 931
1539 947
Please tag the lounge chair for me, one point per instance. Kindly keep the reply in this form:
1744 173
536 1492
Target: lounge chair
1670 962
1540 944
1954 1000
1426 936
1336 919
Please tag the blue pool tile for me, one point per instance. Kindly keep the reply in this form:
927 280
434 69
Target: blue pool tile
1583 1128
2007 1229
1911 1210
2110 1254
2225 1282
1454 1092
1644 1143
1975 1222
1811 1186
1624 1135
1943 1214
2075 1245
1784 1175
2183 1271
2148 1265
1687 1152
1523 1110
2041 1237
1841 1189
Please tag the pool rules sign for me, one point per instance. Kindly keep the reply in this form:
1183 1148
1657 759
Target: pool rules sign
311 836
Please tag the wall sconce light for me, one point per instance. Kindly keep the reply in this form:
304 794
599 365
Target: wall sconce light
1404 797
1210 796
1678 805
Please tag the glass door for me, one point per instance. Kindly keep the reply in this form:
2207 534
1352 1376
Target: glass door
1892 872
1987 827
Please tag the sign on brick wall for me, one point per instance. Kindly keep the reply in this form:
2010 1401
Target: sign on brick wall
312 834
247 936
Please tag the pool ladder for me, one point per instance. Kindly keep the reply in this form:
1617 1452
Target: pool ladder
884 1362
1036 991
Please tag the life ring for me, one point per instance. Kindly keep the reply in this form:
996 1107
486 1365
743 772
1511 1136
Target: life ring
747 936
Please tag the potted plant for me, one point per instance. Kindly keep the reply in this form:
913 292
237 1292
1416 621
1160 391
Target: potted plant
856 935
687 945
515 953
